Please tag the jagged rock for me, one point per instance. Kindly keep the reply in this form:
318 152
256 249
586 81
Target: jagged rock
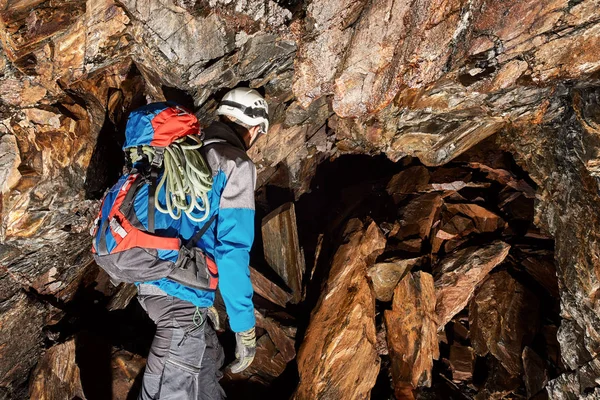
462 359
484 220
499 384
408 181
57 375
459 275
124 294
457 227
267 289
503 318
459 332
386 275
318 58
282 249
544 272
418 216
338 357
412 332
535 376
576 384
21 337
429 79
284 344
382 345
125 371
9 161
552 346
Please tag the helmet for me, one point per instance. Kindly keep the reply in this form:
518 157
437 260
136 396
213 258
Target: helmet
247 106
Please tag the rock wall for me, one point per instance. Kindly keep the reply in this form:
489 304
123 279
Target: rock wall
427 78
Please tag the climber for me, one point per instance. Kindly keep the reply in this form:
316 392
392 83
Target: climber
186 356
186 210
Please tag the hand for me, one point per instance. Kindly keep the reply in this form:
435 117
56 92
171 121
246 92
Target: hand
245 350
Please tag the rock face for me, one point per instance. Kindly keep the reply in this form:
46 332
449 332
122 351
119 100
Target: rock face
57 375
429 79
338 358
412 337
461 273
386 275
503 319
282 249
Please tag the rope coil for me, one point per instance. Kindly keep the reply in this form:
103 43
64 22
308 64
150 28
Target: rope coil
186 177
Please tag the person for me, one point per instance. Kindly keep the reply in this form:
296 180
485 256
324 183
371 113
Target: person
186 357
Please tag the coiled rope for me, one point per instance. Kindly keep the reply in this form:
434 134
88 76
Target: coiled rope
187 178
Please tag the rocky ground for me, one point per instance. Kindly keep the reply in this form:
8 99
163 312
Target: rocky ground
356 88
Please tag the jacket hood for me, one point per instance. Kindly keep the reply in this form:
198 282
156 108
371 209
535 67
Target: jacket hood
219 130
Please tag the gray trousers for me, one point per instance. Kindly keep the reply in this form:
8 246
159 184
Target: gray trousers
185 357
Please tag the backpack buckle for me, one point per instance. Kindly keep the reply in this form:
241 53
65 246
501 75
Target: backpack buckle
117 228
94 227
159 156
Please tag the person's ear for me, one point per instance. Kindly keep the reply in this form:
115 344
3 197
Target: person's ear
254 132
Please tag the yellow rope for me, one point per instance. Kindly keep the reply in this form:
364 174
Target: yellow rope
186 176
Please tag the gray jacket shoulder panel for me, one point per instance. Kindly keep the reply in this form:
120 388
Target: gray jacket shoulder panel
239 171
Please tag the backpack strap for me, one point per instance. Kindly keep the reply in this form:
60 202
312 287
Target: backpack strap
200 233
152 197
212 141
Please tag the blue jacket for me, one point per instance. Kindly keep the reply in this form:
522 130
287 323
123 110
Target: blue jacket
229 238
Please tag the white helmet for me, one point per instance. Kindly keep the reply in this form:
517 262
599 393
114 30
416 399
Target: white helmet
247 106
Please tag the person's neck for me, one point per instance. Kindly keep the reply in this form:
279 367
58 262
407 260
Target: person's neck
240 131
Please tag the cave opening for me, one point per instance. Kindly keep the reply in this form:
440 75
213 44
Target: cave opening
474 213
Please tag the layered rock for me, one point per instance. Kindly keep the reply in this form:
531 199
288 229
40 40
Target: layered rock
461 273
57 375
338 357
503 319
412 333
428 79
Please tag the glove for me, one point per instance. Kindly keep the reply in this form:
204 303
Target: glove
213 315
245 350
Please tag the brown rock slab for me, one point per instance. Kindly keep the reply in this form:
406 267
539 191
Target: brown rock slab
407 181
462 360
9 163
460 273
338 358
412 332
126 367
57 375
485 220
124 294
267 289
456 228
282 341
500 384
503 318
535 376
419 215
544 272
282 249
459 331
386 275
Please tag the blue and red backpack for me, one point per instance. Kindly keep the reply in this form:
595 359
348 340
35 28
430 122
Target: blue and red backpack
126 249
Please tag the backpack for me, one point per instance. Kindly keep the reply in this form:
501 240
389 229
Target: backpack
126 249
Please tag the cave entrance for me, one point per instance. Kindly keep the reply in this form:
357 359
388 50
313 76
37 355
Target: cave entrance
469 225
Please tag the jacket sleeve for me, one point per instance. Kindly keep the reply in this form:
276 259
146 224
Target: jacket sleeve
235 234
